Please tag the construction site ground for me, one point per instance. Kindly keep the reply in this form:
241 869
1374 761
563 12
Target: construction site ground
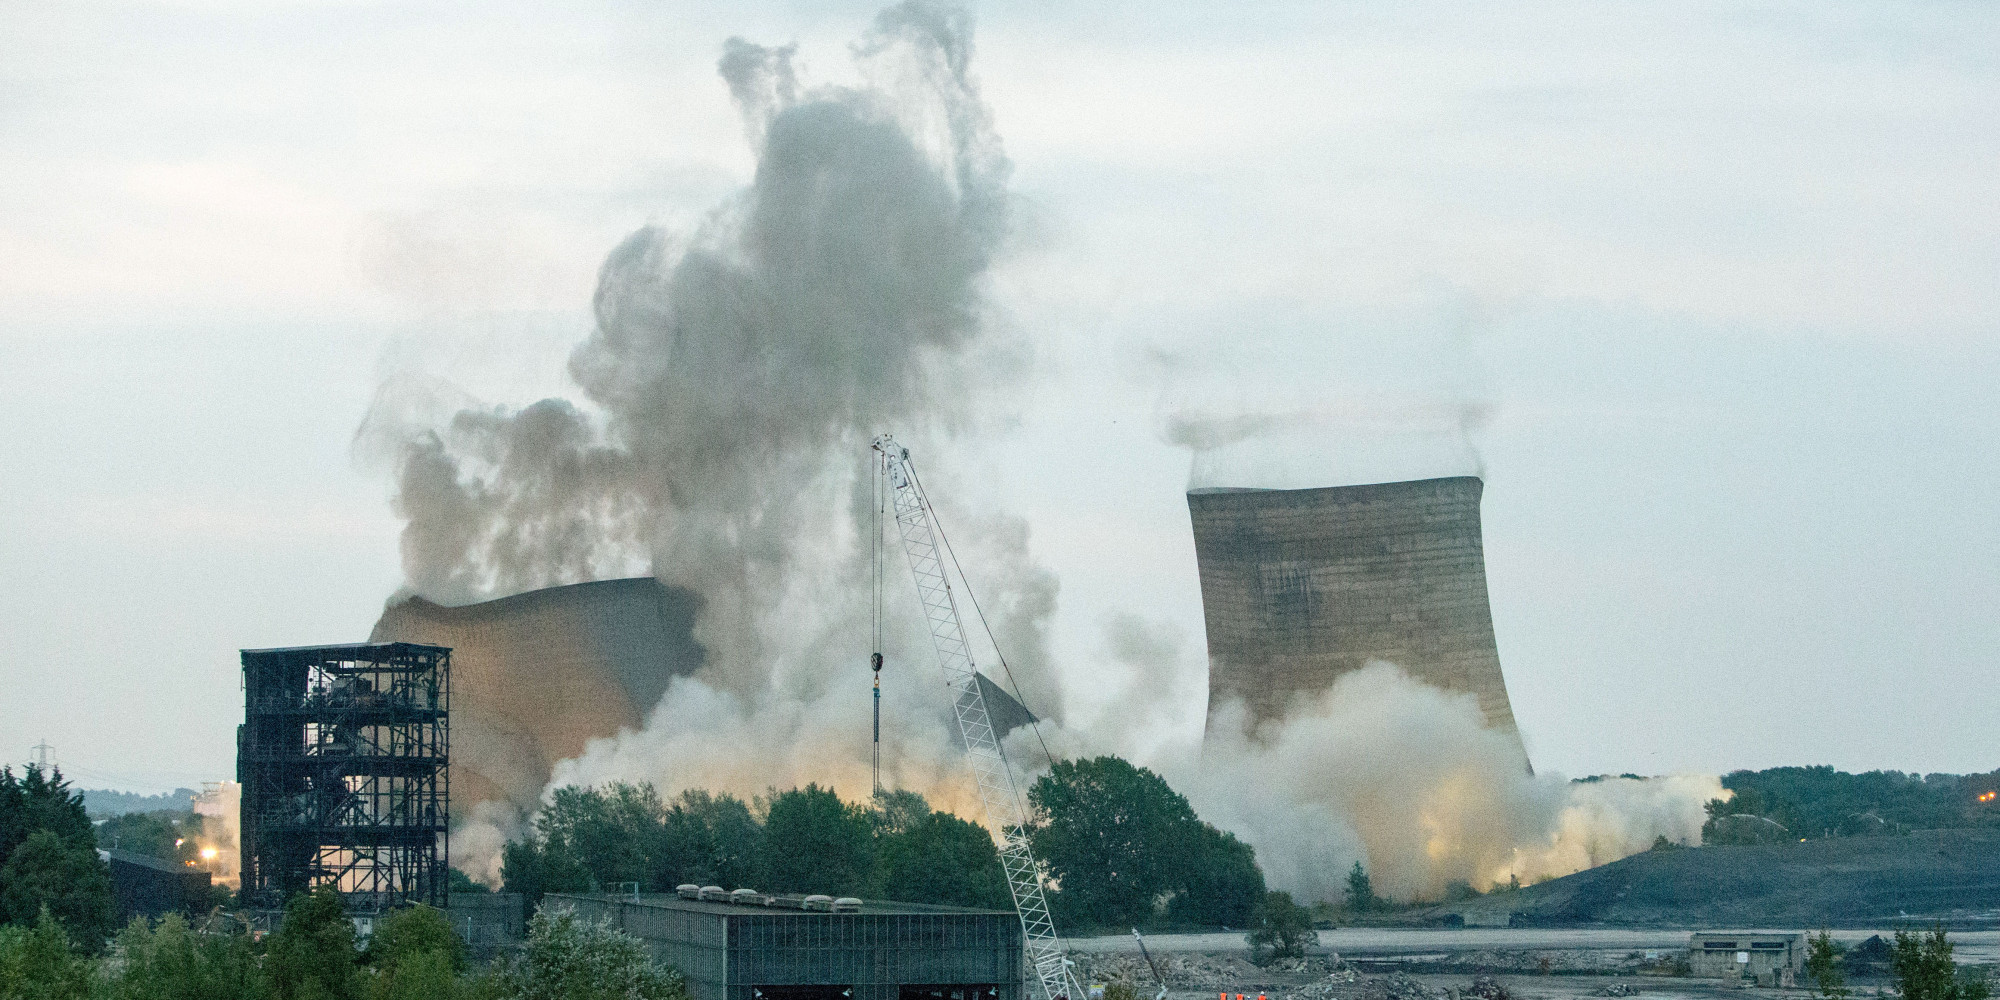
1469 964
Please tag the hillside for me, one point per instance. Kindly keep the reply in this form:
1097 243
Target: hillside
1852 881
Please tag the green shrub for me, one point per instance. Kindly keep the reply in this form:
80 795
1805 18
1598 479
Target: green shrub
312 956
37 962
572 959
1281 929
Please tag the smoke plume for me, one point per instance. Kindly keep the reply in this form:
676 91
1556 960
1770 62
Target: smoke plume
732 383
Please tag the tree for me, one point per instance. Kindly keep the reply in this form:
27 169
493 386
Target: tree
571 959
169 961
426 975
613 834
531 868
709 840
943 860
312 955
898 810
1923 968
815 843
1218 883
1360 892
38 801
38 963
166 835
1281 928
458 881
50 873
1823 965
1111 836
410 931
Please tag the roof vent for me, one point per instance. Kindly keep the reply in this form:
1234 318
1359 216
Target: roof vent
823 904
847 904
714 894
748 897
688 890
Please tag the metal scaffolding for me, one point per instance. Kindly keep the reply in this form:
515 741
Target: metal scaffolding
342 755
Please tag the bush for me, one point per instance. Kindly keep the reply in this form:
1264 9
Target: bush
413 931
171 961
38 963
572 959
1282 929
312 956
424 975
1924 970
1823 965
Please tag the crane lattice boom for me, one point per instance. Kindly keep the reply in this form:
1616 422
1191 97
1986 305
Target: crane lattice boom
997 789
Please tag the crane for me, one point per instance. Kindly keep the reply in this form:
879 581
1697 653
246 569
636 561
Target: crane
924 544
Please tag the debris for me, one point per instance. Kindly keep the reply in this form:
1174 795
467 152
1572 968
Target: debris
1618 990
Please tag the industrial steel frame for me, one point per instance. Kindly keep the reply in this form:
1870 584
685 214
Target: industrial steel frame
343 755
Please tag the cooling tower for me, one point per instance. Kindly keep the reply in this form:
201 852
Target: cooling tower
1301 586
537 675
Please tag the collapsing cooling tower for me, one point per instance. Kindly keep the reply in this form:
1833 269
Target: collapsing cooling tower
1302 586
538 675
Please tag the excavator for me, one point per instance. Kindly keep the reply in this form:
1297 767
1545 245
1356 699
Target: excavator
926 547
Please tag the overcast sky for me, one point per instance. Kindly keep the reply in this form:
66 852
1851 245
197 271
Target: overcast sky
1711 288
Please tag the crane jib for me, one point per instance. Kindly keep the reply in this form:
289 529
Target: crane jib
999 794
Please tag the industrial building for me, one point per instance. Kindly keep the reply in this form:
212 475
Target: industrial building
1768 958
538 675
1301 586
342 756
746 946
144 886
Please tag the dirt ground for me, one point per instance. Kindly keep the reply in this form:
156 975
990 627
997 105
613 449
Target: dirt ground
1468 964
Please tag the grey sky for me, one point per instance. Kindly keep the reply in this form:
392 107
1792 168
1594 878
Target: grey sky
1715 284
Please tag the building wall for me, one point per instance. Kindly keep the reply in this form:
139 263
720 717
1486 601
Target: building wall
1302 586
724 955
1712 955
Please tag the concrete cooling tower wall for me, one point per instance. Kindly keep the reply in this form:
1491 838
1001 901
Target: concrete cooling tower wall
537 675
1301 586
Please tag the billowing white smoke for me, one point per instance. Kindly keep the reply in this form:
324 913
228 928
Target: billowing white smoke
1382 769
1406 779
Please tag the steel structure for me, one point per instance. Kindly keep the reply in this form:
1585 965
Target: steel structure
343 757
1005 810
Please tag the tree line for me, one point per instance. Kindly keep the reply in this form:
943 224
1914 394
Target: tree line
1119 848
1814 802
413 954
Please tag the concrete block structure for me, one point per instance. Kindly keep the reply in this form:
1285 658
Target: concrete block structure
1302 586
762 950
1771 959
